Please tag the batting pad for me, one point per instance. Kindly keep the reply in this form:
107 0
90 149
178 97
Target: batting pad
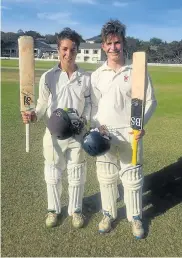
132 179
54 187
107 174
76 181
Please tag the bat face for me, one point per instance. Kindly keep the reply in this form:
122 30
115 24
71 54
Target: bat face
26 72
139 80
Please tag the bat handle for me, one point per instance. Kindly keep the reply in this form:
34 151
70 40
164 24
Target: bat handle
27 127
134 148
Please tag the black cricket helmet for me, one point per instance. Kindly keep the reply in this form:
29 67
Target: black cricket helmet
59 124
95 144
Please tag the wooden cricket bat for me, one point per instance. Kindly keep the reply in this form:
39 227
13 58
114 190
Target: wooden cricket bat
139 83
27 77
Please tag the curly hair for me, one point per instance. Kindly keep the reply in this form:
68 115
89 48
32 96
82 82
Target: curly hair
68 33
113 27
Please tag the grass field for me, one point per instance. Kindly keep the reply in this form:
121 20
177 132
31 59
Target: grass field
44 64
23 190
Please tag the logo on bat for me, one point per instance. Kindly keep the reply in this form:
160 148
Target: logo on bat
27 100
136 121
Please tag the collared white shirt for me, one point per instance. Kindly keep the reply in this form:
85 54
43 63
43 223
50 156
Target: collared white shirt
111 97
56 90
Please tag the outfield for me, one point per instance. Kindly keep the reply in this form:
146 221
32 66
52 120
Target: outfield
23 190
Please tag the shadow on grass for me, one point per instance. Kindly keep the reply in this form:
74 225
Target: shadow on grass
63 215
162 190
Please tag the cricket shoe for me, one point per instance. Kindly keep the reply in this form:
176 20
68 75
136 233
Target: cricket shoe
77 219
51 220
105 224
137 228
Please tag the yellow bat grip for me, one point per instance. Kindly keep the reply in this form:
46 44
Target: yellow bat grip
134 148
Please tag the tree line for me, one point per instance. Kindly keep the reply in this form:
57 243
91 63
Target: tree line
158 51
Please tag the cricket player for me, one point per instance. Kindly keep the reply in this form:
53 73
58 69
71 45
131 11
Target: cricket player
111 107
63 86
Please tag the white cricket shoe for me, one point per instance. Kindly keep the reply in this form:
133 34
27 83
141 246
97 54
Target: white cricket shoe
77 219
51 220
105 224
137 228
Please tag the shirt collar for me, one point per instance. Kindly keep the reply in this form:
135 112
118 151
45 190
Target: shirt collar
79 71
105 67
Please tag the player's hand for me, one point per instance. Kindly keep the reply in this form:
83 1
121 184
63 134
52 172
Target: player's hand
29 116
140 134
103 130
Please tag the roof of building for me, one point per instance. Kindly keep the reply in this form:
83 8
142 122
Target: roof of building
90 45
83 45
37 44
96 38
48 47
42 45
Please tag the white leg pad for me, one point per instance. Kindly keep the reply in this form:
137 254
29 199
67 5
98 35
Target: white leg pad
107 174
132 179
54 187
76 181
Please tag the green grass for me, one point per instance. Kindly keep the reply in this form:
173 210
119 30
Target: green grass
44 64
23 190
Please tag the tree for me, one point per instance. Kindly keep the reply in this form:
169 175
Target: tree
20 32
132 46
155 41
33 34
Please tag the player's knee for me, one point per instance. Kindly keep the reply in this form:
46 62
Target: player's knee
52 174
132 177
107 173
77 174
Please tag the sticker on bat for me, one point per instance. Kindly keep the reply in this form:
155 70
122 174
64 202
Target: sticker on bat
136 122
27 100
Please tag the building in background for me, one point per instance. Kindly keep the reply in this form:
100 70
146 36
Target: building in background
41 49
88 52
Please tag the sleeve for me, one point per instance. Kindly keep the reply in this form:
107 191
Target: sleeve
95 95
151 102
87 107
42 102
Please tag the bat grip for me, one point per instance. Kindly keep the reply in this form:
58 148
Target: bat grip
27 127
134 148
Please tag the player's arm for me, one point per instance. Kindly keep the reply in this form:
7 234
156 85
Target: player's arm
95 95
42 103
87 107
151 102
44 92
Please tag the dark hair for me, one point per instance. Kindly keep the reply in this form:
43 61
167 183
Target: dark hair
113 27
68 33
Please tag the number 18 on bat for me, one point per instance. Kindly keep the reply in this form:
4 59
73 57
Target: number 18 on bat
139 82
27 77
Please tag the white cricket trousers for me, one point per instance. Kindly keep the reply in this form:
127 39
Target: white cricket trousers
61 155
116 163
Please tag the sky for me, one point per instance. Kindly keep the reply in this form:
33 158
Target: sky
144 19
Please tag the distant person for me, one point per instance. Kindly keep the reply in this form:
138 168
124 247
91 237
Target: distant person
111 111
64 99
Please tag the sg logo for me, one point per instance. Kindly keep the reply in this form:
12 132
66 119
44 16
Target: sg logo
27 100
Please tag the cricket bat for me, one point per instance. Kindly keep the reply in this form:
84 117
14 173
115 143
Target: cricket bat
27 78
139 83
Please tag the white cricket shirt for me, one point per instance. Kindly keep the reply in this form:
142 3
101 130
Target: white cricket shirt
111 97
56 90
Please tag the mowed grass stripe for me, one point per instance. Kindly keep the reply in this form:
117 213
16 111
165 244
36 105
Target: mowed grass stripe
45 64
